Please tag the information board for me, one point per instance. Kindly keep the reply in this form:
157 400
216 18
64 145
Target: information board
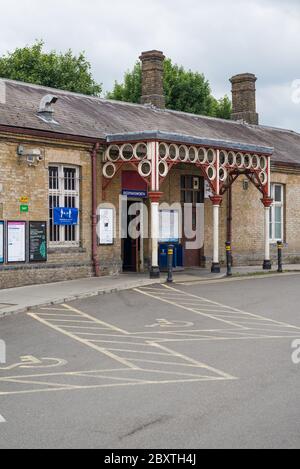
1 242
169 226
106 222
38 241
16 241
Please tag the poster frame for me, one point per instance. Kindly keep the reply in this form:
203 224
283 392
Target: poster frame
29 239
113 227
23 222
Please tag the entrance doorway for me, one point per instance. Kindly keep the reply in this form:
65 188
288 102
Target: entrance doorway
132 249
192 192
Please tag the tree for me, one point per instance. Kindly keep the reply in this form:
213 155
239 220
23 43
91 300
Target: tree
56 70
185 91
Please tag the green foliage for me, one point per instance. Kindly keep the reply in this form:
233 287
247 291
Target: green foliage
56 70
185 91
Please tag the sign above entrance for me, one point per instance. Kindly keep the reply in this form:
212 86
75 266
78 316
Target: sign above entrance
133 185
65 216
135 194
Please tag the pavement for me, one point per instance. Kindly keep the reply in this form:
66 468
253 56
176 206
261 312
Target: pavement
189 365
21 299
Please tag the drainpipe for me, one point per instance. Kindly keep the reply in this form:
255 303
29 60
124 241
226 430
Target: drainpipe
94 210
229 214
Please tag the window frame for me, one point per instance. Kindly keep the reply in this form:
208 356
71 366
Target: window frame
61 193
281 205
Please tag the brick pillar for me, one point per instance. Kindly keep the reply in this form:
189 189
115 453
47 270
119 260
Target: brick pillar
152 78
244 98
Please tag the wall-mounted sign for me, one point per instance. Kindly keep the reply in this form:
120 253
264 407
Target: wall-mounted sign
1 242
24 208
135 194
66 216
24 200
106 222
16 241
37 241
168 226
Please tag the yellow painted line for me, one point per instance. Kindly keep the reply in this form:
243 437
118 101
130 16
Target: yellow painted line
117 342
92 328
58 315
73 321
135 380
23 381
63 373
95 320
236 309
177 305
195 362
107 386
83 341
138 351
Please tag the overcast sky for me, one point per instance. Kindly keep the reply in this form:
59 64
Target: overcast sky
217 37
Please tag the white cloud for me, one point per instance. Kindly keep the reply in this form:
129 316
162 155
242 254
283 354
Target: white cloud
219 38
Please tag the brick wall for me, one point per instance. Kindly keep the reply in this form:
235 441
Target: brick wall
18 180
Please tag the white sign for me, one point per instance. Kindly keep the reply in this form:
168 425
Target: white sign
106 226
168 226
1 242
16 247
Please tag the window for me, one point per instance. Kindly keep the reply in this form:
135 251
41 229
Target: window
192 190
277 213
63 192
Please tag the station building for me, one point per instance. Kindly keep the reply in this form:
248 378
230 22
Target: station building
62 155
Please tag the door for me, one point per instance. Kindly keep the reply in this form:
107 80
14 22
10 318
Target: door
192 192
131 248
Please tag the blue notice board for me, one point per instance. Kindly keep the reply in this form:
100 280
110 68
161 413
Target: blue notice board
65 216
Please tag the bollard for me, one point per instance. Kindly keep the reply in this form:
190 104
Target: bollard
280 248
170 263
228 259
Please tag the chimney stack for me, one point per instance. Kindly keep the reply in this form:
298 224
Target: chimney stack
244 98
152 78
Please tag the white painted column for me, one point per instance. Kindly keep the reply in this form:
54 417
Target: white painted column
217 200
267 259
216 210
154 200
154 196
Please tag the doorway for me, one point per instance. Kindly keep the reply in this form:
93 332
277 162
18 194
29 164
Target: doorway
192 192
132 248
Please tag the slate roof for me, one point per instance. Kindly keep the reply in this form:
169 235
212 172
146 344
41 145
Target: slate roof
85 116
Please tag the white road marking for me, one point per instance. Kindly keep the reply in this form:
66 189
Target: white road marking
2 419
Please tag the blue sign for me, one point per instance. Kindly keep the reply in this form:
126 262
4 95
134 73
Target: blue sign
66 216
135 194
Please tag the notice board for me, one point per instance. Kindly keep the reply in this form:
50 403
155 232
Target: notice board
37 241
16 241
106 226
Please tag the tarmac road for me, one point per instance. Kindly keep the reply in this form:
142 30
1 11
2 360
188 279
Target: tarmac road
188 366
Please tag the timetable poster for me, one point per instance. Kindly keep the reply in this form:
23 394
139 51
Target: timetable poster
16 241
